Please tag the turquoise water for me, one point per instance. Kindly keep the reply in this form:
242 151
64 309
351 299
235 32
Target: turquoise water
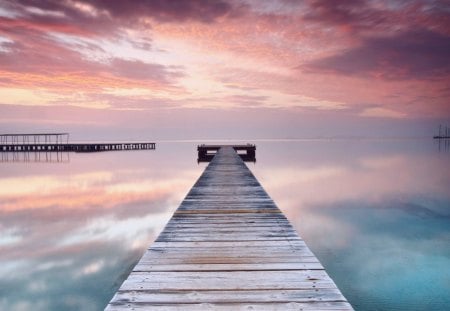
375 212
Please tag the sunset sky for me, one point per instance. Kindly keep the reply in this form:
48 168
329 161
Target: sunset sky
224 69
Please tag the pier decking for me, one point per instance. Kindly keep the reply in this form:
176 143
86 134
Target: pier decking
228 247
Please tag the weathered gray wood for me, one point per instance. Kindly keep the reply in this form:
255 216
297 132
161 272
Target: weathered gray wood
253 266
234 296
228 247
290 306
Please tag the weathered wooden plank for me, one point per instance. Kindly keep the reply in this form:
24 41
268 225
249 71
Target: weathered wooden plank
228 247
233 296
223 228
228 252
155 254
240 235
253 266
241 244
251 278
267 253
218 238
290 306
227 260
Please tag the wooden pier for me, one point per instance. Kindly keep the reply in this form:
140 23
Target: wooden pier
207 152
84 147
228 247
444 133
441 137
59 142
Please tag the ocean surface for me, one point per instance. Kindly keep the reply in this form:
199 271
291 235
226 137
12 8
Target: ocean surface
376 212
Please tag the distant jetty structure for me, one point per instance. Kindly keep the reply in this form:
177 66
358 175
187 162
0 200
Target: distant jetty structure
59 142
228 247
207 152
444 133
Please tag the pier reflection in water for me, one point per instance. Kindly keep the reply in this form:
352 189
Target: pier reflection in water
443 144
36 157
375 212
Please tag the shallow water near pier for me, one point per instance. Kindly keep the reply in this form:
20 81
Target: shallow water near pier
375 212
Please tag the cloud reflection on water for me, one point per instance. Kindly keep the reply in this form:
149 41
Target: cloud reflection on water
376 213
377 218
68 240
364 177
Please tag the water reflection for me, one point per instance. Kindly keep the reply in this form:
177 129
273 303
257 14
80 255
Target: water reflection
376 213
443 145
36 157
68 237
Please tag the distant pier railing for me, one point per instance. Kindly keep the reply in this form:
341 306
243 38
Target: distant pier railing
35 138
59 142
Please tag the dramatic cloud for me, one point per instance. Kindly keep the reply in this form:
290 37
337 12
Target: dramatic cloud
363 17
350 15
32 58
165 11
139 70
96 17
419 54
340 56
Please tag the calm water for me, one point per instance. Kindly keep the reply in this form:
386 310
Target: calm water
375 212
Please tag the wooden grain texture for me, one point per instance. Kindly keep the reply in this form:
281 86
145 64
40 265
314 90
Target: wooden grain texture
228 247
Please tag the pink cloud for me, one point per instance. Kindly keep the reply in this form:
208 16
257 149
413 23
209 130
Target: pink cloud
359 54
420 54
33 57
166 11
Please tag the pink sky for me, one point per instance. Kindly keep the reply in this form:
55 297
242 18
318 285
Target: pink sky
224 69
